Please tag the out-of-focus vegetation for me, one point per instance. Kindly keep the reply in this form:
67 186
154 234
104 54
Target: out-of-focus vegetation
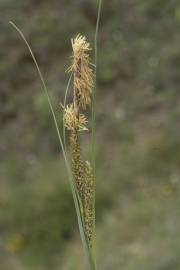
138 135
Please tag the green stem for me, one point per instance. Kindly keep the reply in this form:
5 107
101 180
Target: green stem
93 158
64 105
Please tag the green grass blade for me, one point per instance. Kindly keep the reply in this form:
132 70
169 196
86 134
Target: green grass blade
73 189
93 158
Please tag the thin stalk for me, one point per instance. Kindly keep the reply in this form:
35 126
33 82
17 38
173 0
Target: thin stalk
73 189
64 105
94 122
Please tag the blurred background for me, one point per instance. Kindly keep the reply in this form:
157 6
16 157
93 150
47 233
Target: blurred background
138 135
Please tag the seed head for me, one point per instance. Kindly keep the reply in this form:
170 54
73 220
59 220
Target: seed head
88 201
72 121
83 73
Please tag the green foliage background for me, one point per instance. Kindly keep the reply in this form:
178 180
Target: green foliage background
138 135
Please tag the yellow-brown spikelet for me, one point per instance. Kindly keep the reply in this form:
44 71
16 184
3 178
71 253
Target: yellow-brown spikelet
74 121
77 163
88 202
83 73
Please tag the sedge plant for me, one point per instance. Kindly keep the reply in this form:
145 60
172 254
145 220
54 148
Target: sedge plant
75 121
81 173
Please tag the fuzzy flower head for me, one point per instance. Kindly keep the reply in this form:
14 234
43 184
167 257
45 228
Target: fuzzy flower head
80 46
72 121
83 73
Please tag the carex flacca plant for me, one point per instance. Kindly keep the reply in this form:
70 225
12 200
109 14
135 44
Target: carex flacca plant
80 172
75 121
